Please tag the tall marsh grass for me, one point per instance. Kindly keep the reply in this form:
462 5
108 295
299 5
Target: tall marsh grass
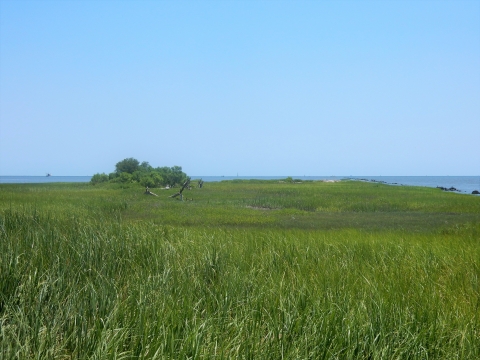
94 282
85 288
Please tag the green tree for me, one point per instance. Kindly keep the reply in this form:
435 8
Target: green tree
165 173
145 167
177 175
129 165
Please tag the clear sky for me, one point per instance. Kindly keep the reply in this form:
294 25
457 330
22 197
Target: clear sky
248 87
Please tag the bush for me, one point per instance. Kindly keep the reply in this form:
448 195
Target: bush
99 178
123 178
147 181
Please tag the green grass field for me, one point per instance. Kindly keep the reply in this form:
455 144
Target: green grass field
243 269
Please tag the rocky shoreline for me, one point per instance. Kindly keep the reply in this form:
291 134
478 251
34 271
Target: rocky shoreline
453 189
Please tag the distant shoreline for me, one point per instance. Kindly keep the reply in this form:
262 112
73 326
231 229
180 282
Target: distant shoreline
465 184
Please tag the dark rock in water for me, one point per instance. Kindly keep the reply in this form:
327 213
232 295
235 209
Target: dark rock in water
447 189
476 192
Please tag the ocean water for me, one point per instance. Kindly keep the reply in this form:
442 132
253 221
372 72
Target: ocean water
42 179
466 184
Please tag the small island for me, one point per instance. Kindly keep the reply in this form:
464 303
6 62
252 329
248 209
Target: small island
131 171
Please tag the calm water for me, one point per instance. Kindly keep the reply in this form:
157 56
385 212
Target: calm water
42 179
466 184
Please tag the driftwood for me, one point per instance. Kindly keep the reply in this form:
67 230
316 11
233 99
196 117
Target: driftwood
185 185
200 183
148 192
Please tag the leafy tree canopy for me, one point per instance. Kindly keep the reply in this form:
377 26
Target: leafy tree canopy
129 165
130 170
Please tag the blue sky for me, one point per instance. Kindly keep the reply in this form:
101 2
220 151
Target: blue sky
248 87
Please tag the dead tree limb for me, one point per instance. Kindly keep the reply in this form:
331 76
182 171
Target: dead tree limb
148 192
185 184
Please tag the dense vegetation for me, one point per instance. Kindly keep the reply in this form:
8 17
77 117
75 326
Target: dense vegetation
245 269
130 170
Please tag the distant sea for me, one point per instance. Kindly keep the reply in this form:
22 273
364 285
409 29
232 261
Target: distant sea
466 184
42 179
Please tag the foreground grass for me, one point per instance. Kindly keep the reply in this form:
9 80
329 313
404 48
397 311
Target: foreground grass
109 273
